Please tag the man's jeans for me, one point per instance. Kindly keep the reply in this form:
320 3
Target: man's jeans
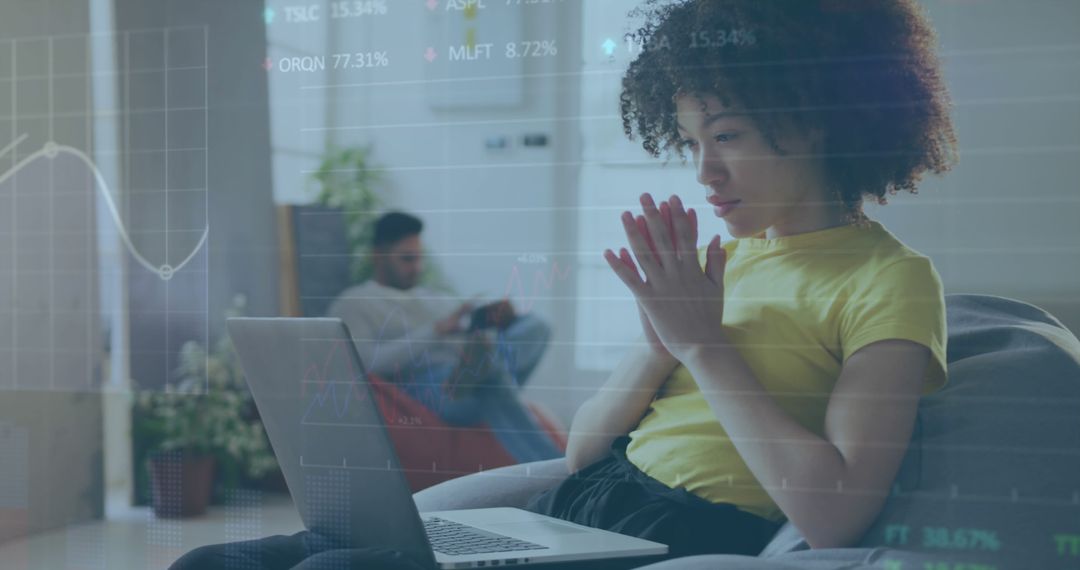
494 399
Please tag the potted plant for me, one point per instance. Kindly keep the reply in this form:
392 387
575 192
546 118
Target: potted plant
347 180
202 428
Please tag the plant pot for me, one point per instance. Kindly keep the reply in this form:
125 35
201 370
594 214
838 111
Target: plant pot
181 484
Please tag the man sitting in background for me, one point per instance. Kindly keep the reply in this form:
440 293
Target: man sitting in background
416 337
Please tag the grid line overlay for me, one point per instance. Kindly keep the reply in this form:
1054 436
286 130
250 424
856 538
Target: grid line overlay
49 169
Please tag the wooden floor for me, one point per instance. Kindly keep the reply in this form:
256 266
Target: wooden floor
132 538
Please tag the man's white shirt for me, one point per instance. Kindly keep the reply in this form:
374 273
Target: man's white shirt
394 330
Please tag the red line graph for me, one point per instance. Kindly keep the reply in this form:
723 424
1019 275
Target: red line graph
352 387
520 287
317 374
543 281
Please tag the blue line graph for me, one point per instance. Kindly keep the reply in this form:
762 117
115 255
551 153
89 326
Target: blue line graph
339 393
316 373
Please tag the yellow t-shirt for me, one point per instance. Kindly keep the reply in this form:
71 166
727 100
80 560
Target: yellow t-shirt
796 307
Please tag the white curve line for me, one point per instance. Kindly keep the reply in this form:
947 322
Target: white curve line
50 151
12 144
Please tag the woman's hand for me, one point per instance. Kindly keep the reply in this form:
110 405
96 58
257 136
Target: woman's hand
683 304
655 344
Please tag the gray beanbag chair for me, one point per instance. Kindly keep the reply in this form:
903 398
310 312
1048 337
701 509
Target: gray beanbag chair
991 480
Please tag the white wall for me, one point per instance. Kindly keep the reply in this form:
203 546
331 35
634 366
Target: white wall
497 221
1004 221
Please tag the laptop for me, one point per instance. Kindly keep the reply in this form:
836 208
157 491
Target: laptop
341 469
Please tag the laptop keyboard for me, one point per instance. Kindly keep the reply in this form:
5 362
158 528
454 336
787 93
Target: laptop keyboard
456 539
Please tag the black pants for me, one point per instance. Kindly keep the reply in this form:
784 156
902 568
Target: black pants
611 494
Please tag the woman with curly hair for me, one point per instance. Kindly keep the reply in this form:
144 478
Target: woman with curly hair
782 369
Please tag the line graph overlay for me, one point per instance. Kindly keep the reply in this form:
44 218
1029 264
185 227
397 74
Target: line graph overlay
423 364
125 113
52 150
337 383
544 280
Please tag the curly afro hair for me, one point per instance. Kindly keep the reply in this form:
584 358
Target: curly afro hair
863 71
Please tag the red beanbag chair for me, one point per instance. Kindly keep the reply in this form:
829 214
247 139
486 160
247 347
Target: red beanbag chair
431 451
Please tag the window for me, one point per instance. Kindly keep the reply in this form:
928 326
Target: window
615 172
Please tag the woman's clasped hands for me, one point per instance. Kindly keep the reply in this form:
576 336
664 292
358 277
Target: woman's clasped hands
682 305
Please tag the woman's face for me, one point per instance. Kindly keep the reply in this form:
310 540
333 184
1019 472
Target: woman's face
777 195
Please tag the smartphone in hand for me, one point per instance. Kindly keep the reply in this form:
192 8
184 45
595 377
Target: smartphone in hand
492 315
478 320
